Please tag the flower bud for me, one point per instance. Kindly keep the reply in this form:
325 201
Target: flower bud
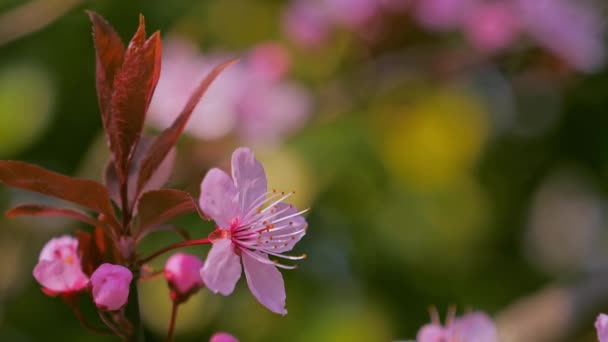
58 269
222 337
182 272
111 286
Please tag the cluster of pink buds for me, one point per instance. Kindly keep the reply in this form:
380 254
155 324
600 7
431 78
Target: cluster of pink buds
254 225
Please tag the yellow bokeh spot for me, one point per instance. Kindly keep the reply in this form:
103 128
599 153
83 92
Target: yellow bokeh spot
435 140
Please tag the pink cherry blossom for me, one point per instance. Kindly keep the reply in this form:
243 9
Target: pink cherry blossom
601 325
491 27
58 269
307 23
222 337
571 29
353 13
182 272
111 286
251 98
249 231
472 327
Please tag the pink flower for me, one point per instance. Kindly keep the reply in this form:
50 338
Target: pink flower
222 337
249 231
269 61
58 269
491 27
353 13
307 23
442 15
182 272
111 286
472 327
568 28
601 325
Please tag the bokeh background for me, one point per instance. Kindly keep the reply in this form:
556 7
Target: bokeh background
452 152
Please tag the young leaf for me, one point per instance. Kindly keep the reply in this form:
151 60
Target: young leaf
41 210
167 139
86 193
109 56
133 88
159 206
94 249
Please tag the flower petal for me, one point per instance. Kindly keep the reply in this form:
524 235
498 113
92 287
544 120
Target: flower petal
431 333
287 232
222 268
219 198
59 276
474 327
266 283
249 177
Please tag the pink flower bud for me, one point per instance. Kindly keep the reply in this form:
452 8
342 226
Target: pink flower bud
111 286
58 269
183 273
222 337
601 325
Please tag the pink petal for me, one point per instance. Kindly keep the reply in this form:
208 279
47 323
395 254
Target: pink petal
249 178
266 283
474 327
286 238
601 324
222 268
219 198
223 337
60 276
110 286
59 248
183 272
431 333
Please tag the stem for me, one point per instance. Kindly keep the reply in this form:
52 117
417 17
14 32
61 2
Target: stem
83 321
111 325
172 322
174 246
133 314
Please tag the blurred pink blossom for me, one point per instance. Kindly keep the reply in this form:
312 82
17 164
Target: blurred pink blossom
442 15
58 269
571 29
307 22
249 231
230 104
491 27
601 325
222 337
183 273
110 286
472 327
352 13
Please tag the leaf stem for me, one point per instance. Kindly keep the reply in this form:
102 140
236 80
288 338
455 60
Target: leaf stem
172 322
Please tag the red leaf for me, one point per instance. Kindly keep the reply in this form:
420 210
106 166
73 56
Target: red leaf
159 206
40 210
109 56
133 88
86 193
158 179
167 139
94 249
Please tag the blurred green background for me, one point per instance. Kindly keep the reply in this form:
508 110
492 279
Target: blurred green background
437 173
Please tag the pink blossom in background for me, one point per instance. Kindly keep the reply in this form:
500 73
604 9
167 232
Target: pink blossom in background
601 325
491 27
269 61
223 337
442 15
182 272
249 231
229 105
307 23
570 29
472 327
110 286
352 13
58 269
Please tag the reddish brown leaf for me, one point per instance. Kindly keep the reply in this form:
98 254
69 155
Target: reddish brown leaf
86 193
109 56
157 181
167 139
133 88
159 206
40 210
94 249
